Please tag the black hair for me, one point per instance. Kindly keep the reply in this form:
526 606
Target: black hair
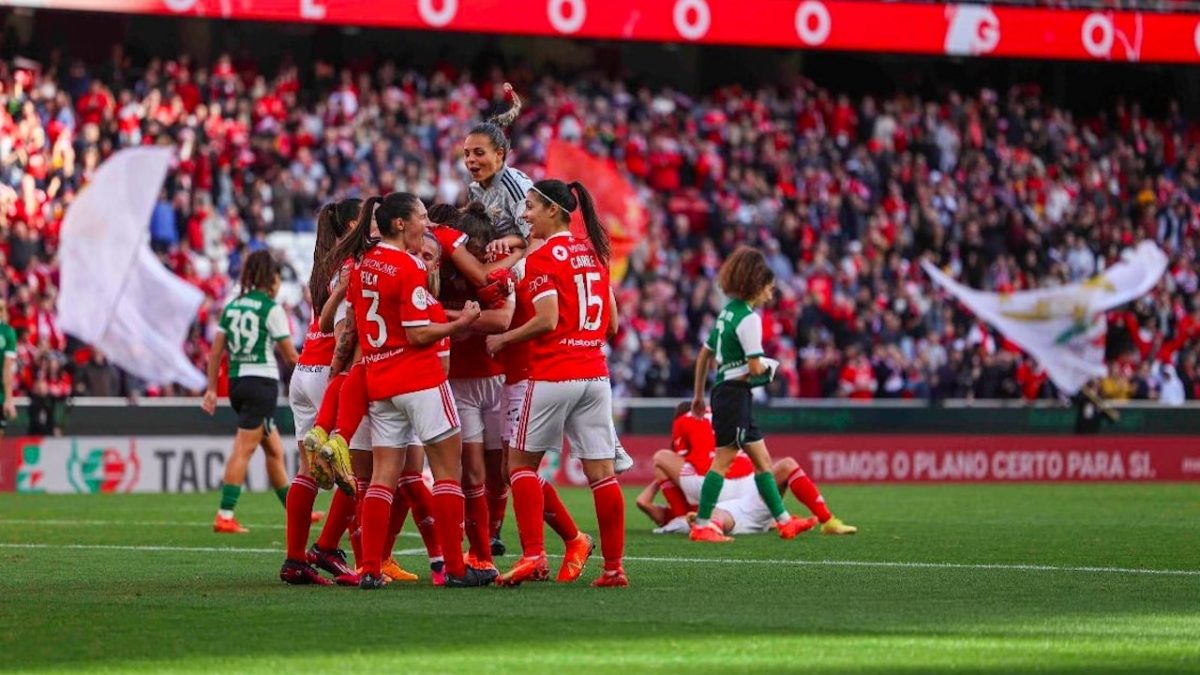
333 221
472 220
385 210
569 197
493 127
258 272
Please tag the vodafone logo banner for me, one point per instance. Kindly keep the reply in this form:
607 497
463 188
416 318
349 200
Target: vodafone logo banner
956 29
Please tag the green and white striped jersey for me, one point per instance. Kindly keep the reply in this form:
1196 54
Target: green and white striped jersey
252 324
736 338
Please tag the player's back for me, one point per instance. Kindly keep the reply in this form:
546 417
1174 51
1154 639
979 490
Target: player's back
388 294
568 268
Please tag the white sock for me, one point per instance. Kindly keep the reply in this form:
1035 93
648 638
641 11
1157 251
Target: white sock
783 519
225 513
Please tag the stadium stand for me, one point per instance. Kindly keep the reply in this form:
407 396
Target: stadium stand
845 194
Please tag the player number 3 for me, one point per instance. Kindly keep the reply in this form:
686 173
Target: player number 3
587 300
373 316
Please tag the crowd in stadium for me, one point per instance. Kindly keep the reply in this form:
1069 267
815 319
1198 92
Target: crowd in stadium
844 195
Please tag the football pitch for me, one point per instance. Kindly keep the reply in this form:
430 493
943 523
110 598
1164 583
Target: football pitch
969 578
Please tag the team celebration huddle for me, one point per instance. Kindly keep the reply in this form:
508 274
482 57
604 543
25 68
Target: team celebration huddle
471 341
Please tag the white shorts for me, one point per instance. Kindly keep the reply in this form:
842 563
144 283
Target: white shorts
736 488
362 437
307 389
427 415
579 409
750 513
514 398
480 405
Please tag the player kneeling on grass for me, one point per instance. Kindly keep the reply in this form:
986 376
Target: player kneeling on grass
749 514
679 473
736 345
252 326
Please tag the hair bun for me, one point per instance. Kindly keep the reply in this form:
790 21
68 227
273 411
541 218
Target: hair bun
476 208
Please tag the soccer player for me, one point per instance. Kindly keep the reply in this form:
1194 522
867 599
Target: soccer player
680 475
735 343
252 328
500 188
8 345
309 380
567 280
679 472
749 514
405 382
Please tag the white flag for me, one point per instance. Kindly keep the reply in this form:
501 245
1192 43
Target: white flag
115 293
1063 328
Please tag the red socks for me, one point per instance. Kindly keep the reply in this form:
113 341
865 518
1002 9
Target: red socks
528 505
675 499
300 498
352 404
449 506
497 503
421 502
396 523
376 514
610 513
555 514
327 413
476 523
808 494
341 514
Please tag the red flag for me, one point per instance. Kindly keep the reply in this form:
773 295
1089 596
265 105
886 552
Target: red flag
616 200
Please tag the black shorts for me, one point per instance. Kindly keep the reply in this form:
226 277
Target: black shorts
733 415
253 399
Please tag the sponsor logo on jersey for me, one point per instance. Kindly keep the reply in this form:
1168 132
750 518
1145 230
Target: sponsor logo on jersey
560 254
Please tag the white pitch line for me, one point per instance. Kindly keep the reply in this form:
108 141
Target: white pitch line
1014 567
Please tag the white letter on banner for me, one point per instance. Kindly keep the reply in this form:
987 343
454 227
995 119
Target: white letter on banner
813 22
180 6
437 17
311 9
563 23
1100 48
697 30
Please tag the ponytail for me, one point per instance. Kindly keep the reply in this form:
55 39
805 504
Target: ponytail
595 230
359 239
493 128
568 199
333 220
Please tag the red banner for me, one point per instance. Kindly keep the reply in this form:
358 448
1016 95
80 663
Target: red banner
955 29
617 204
862 458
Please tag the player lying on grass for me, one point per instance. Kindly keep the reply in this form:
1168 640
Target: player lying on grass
749 514
679 474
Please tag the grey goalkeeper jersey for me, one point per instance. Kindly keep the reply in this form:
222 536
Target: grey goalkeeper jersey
505 201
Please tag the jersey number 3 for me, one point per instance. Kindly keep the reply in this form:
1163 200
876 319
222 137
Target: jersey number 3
587 300
373 316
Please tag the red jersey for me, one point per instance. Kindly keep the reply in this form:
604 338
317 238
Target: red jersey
437 314
469 359
693 439
319 346
449 238
387 293
516 355
567 268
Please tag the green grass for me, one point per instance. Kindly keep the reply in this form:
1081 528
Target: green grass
152 610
